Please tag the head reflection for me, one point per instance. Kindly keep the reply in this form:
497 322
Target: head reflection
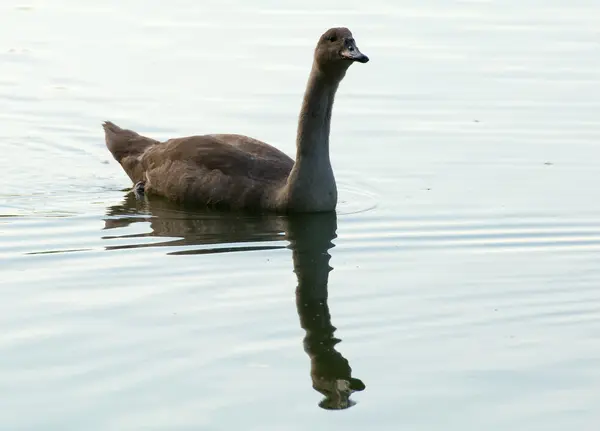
310 237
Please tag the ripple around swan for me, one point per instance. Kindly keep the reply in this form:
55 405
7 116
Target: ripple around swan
355 196
361 227
483 234
134 225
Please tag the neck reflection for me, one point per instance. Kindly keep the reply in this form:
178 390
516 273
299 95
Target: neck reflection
310 239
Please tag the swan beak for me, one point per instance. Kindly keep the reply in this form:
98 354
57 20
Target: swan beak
351 52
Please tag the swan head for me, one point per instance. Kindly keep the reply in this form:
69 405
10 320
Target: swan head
337 50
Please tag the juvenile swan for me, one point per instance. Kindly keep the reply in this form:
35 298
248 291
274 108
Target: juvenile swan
239 172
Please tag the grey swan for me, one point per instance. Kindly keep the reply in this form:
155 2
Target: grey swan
238 172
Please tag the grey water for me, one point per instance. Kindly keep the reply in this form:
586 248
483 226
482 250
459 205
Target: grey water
456 288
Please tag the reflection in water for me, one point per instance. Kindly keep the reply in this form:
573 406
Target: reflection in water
310 238
216 232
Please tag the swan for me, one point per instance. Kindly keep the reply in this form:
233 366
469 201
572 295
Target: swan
238 172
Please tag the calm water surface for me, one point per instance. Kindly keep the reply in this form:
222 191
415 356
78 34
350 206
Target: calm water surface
457 288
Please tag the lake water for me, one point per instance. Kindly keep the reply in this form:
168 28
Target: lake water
465 284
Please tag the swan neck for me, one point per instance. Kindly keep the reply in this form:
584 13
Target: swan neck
315 116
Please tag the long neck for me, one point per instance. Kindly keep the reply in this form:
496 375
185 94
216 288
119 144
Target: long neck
315 116
311 184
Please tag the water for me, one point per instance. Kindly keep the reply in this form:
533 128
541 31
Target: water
464 286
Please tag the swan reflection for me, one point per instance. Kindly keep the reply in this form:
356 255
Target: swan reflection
309 237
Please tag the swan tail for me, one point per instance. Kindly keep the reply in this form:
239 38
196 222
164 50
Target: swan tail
127 147
123 142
